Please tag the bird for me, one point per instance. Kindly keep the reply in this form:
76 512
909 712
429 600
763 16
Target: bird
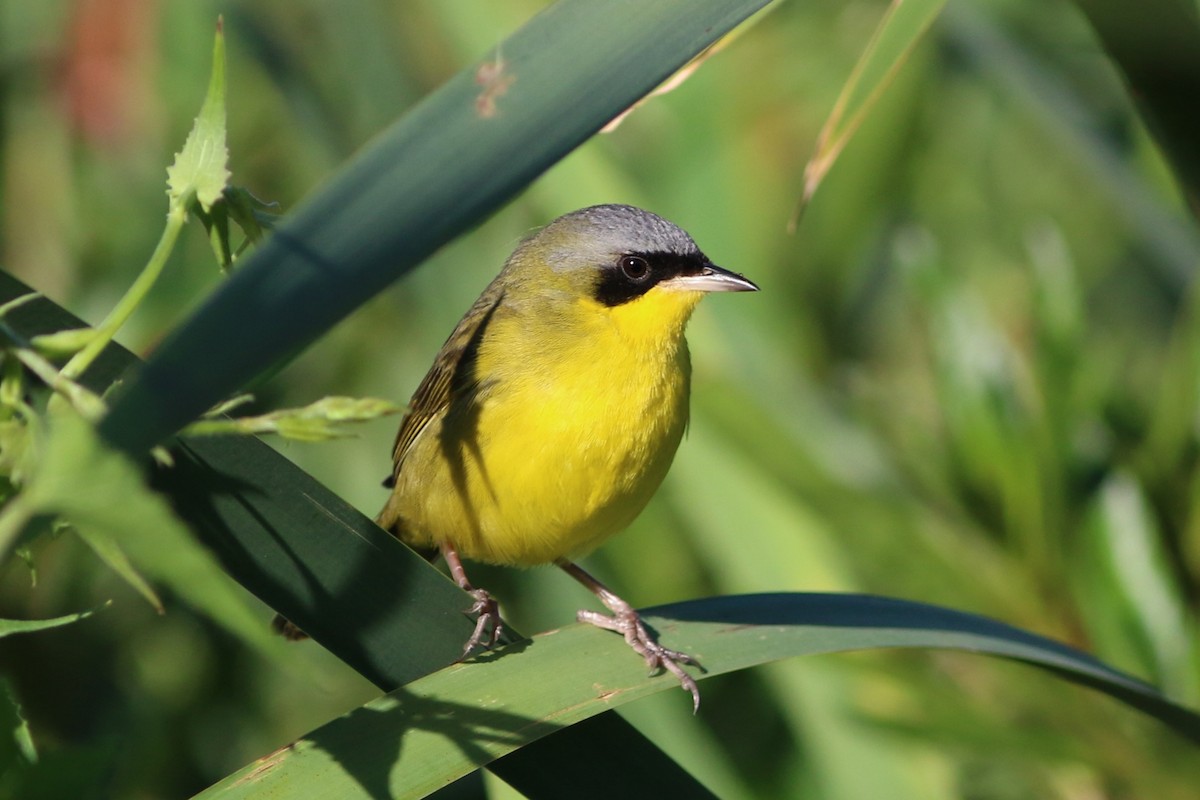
554 409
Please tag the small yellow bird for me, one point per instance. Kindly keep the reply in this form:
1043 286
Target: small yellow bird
553 411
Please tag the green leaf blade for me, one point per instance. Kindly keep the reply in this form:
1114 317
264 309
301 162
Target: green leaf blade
1132 602
318 421
10 626
443 726
101 492
902 28
108 551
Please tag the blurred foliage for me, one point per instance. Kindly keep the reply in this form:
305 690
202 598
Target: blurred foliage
971 379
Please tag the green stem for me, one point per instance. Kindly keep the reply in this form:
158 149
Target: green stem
13 520
176 217
87 403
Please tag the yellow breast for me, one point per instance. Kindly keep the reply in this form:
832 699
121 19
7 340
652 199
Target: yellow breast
574 430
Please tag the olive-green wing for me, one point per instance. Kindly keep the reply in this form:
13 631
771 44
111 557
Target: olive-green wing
450 374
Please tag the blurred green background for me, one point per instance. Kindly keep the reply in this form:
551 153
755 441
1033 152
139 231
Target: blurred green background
970 379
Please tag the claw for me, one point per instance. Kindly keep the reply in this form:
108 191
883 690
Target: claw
489 616
625 621
485 606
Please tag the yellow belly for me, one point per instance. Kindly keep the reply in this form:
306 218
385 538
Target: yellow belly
558 455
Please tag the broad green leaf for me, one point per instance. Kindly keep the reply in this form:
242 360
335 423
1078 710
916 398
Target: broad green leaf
452 722
450 161
901 29
374 603
11 626
102 494
200 168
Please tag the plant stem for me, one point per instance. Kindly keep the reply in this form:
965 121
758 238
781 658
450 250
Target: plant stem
176 217
86 402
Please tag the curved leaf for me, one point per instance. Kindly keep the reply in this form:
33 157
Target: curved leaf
11 626
447 724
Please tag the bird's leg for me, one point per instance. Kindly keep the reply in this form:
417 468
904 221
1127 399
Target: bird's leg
625 621
485 605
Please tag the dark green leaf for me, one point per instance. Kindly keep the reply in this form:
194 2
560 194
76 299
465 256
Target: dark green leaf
1156 49
103 495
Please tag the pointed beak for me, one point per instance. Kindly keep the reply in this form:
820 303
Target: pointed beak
710 278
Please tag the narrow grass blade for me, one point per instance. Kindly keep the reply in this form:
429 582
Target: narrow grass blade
11 626
903 26
1131 599
445 725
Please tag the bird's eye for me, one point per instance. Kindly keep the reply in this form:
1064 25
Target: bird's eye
635 267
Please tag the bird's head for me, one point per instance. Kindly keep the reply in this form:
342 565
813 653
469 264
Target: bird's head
642 271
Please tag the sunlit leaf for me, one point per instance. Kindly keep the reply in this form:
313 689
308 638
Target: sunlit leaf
456 720
1133 603
63 343
102 495
11 626
108 551
200 168
318 421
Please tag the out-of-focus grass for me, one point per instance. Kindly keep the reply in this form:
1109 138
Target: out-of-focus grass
969 378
